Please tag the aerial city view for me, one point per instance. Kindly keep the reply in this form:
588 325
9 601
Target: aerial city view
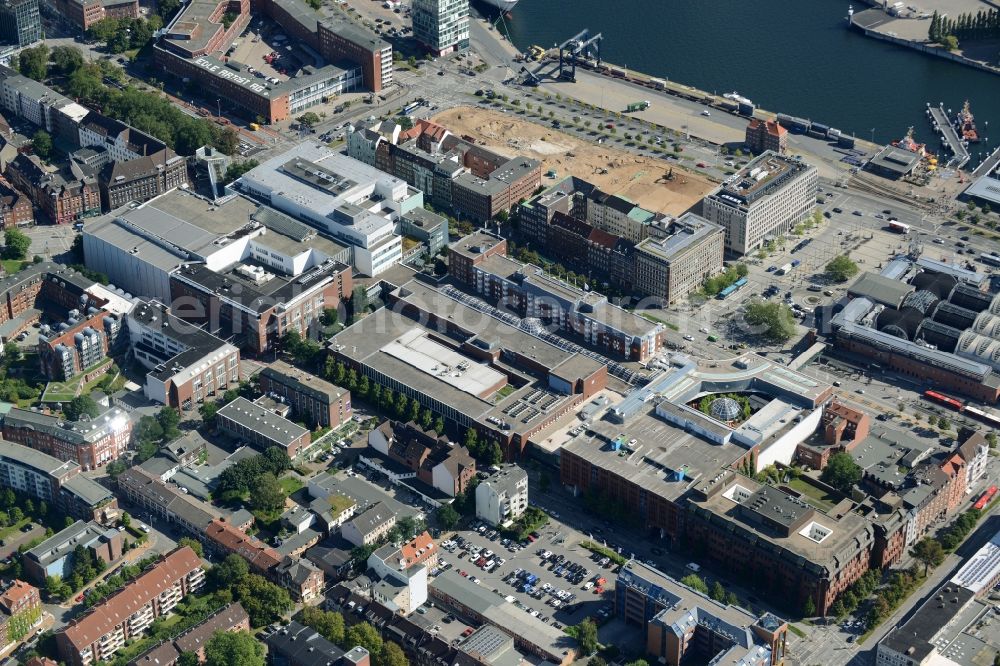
499 333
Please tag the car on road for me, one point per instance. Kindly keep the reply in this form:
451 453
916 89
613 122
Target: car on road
689 338
706 112
939 241
858 213
701 165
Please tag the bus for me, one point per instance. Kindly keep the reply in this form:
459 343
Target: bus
898 227
985 498
713 338
410 108
731 289
989 259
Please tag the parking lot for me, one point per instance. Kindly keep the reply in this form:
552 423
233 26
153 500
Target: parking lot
561 589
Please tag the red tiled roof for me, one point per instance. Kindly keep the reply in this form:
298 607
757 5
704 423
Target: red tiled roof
418 549
104 617
261 556
14 596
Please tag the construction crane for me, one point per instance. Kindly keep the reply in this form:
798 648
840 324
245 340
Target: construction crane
530 78
570 51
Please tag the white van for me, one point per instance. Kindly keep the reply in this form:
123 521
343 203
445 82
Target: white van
693 567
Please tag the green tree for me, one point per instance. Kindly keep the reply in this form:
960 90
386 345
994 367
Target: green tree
772 321
233 648
81 406
193 544
841 269
928 552
841 472
330 316
66 59
586 636
944 423
264 601
41 143
11 352
209 411
16 244
188 659
267 494
438 426
34 62
695 583
309 118
494 455
718 592
169 419
366 636
392 655
447 516
950 42
991 439
809 607
329 624
229 571
167 8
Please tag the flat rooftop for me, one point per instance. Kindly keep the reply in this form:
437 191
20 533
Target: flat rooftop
254 417
418 350
685 232
366 340
897 160
764 175
665 460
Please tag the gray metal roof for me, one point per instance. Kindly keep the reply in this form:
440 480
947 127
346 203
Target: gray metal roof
880 289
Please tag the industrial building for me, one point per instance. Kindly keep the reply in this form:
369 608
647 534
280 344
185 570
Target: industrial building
927 319
763 200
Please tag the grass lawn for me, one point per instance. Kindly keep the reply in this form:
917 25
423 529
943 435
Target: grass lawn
11 529
61 391
815 496
12 266
290 484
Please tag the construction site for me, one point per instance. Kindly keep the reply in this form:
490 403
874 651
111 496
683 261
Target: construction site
652 183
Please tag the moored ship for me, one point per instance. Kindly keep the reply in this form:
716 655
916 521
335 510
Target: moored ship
965 123
503 5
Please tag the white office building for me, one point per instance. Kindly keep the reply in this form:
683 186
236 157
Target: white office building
354 203
763 201
441 25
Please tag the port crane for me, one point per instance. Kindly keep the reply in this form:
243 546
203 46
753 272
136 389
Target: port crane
577 46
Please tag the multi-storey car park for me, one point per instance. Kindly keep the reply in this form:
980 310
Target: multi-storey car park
195 46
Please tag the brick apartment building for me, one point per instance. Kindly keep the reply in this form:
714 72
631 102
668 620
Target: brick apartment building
127 614
300 577
16 209
168 653
140 179
64 196
91 444
261 428
312 399
20 611
437 462
764 135
84 13
342 39
82 347
844 427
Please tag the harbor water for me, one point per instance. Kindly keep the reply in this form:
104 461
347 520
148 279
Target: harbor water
788 56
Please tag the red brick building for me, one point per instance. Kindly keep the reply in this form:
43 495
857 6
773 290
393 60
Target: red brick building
85 13
91 444
766 135
261 428
64 196
300 577
473 251
15 208
104 629
312 399
20 611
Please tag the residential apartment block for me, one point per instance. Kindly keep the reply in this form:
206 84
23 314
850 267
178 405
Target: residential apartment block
65 196
15 208
229 618
59 483
97 635
90 443
370 526
20 611
78 346
528 291
762 201
312 399
428 456
503 497
300 577
402 573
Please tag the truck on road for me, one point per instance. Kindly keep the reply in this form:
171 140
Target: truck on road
637 106
784 270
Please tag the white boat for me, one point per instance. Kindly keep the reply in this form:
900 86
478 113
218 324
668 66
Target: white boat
503 5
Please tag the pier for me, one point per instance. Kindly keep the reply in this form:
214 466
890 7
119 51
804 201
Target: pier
988 164
943 125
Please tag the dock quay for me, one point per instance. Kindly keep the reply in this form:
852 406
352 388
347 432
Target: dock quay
988 164
939 119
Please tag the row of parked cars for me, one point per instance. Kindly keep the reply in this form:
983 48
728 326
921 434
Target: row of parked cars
560 566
